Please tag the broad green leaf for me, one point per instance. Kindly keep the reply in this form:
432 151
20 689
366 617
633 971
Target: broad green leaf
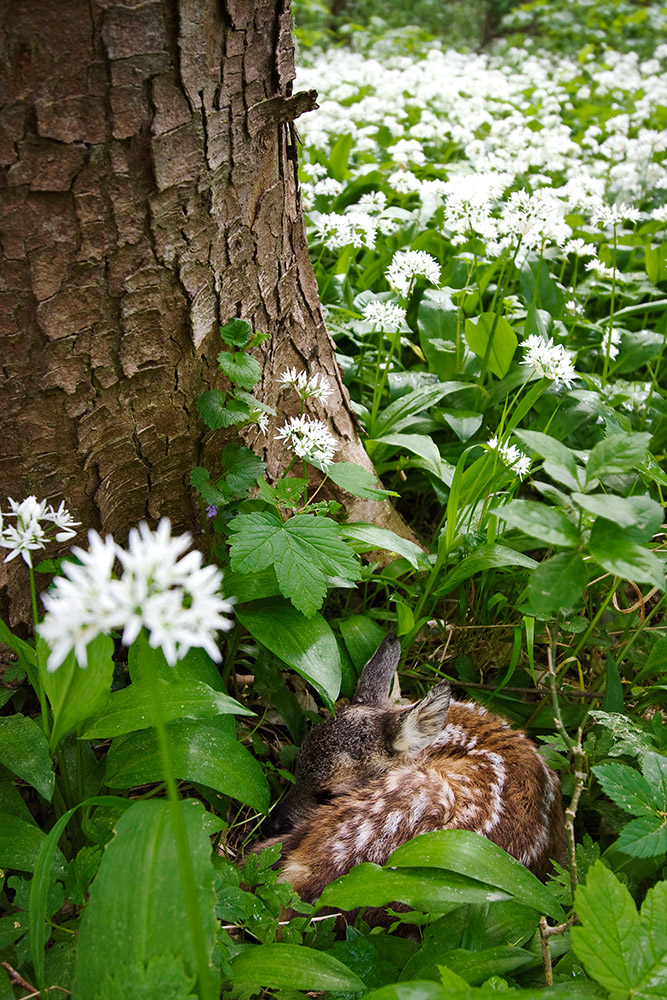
210 493
252 587
618 453
611 942
421 888
418 444
645 837
358 481
163 976
362 636
241 369
416 990
438 322
492 556
75 693
372 537
137 912
131 709
558 584
654 767
291 966
493 340
20 844
201 751
613 688
217 409
463 851
243 468
306 644
656 263
25 751
614 550
627 788
549 525
641 514
237 332
401 413
476 966
304 551
550 448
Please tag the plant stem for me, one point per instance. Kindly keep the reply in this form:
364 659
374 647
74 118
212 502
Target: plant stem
206 986
46 726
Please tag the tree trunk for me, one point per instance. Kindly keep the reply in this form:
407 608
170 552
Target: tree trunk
148 195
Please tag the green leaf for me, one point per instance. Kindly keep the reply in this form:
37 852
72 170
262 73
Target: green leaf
418 444
362 636
372 537
217 412
550 525
550 448
25 751
627 788
618 453
612 942
136 912
304 551
485 557
237 332
558 584
241 369
306 644
401 413
645 837
656 263
291 966
464 851
20 844
492 338
358 481
75 693
162 977
243 467
615 551
201 751
200 478
476 966
639 513
422 889
131 709
654 766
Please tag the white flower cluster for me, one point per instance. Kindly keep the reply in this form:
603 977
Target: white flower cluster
36 524
548 360
384 316
407 265
315 386
161 589
511 456
309 439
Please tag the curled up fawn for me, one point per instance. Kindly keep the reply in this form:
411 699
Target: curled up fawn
379 774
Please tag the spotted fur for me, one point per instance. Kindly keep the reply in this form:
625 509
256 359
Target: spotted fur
378 775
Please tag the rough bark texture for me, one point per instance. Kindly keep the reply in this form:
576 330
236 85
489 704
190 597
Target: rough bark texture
148 194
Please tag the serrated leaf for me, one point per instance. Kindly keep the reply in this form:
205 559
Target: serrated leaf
627 788
645 837
549 525
654 768
618 453
200 478
217 410
241 369
558 583
236 332
615 551
639 513
243 466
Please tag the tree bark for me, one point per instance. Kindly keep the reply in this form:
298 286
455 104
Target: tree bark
148 194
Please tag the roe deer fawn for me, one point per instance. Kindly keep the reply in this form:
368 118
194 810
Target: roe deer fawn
379 774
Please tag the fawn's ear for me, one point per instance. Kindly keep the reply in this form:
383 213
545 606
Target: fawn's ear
424 722
375 682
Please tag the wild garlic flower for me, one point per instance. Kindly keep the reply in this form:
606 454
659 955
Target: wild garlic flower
406 265
35 520
309 439
612 215
162 588
548 360
603 271
315 386
510 455
610 343
385 316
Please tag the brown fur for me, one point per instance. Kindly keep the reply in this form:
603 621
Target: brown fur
379 775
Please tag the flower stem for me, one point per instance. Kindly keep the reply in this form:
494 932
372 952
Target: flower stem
46 726
206 986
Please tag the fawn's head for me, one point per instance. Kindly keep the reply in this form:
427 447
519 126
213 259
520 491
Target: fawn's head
367 737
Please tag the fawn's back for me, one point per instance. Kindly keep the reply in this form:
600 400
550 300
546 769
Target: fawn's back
378 775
